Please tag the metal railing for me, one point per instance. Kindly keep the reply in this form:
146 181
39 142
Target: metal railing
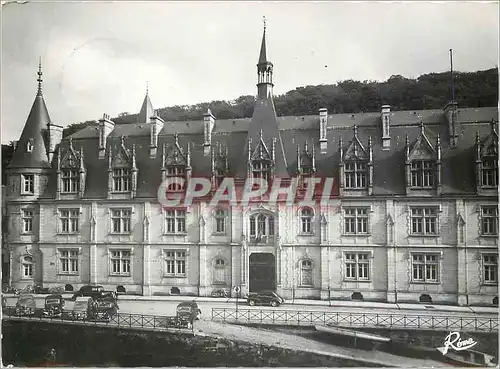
350 319
118 320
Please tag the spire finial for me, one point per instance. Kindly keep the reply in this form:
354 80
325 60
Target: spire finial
264 20
260 134
122 138
147 87
39 76
355 129
422 126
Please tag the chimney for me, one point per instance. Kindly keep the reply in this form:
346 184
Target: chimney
208 126
385 116
450 111
156 126
106 126
323 120
55 137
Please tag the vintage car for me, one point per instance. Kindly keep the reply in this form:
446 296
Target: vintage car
54 305
264 298
25 306
94 291
82 310
188 310
104 308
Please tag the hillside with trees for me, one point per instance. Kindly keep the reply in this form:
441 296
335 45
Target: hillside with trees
429 91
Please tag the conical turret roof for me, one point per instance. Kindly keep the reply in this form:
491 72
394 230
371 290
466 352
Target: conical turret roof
31 149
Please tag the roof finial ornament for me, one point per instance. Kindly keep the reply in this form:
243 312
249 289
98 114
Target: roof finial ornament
71 143
147 87
39 77
355 130
176 138
260 134
264 20
122 138
422 126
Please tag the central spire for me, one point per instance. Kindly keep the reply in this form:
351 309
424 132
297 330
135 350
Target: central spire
264 70
39 80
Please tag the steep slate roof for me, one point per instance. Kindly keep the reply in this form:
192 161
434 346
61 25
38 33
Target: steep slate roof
35 130
458 175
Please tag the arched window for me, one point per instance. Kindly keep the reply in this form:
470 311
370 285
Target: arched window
306 216
220 221
219 271
27 266
261 227
306 273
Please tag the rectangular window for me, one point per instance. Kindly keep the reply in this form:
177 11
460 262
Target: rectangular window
306 273
356 220
489 220
424 221
219 177
220 221
489 172
357 266
120 262
27 267
68 261
70 181
69 219
355 175
28 184
121 220
422 174
27 220
261 169
425 268
175 221
490 268
219 271
121 180
173 173
175 263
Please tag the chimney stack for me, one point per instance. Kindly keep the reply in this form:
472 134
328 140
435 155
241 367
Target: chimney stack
156 127
323 120
106 126
208 126
55 137
385 116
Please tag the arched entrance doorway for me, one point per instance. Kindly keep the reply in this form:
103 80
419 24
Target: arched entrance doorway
262 273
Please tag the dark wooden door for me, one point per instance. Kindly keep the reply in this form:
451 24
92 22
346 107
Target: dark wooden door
262 272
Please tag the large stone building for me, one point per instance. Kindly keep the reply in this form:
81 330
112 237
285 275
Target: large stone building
413 217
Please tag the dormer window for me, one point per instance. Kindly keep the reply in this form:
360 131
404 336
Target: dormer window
355 175
261 169
28 185
29 145
121 180
422 174
174 172
356 166
489 172
70 181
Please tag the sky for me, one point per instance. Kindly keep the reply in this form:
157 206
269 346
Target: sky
99 57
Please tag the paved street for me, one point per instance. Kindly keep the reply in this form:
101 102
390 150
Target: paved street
166 307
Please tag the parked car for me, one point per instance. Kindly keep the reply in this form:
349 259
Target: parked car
94 291
105 308
25 306
82 310
264 298
188 310
54 305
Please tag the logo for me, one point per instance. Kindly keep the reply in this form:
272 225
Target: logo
179 191
453 340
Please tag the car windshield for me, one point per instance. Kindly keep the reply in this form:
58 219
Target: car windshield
80 305
25 299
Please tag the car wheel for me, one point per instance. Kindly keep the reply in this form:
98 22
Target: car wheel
274 303
251 303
